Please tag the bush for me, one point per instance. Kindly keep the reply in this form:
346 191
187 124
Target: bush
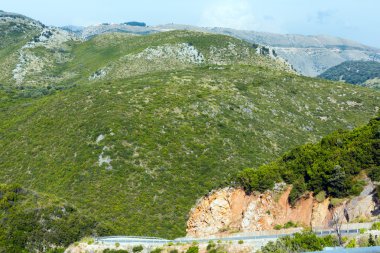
193 249
156 250
321 196
375 226
306 241
277 227
371 241
240 241
210 245
137 248
351 243
290 224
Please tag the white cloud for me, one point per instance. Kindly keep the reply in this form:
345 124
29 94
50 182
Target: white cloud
237 14
233 14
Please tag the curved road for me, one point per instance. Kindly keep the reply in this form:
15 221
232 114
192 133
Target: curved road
155 240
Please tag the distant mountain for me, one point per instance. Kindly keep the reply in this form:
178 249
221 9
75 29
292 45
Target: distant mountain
309 55
365 73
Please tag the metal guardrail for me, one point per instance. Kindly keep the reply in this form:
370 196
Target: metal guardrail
156 240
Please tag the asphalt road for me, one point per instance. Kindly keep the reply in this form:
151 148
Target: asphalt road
154 240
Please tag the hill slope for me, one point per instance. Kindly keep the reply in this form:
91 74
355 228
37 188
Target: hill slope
136 153
131 130
363 73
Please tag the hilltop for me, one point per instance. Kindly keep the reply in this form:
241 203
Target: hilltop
309 55
364 73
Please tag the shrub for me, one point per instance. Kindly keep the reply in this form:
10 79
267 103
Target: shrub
375 226
306 241
290 224
277 227
240 241
137 248
351 243
156 250
371 241
321 196
210 245
193 249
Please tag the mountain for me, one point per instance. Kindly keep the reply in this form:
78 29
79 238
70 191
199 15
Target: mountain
131 130
309 55
365 73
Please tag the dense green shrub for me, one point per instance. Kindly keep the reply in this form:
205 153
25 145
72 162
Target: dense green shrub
156 250
332 165
193 249
138 248
300 242
375 226
351 243
35 222
355 72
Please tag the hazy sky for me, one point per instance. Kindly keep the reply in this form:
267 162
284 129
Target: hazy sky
353 19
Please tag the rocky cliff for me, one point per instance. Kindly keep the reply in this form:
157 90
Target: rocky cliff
231 210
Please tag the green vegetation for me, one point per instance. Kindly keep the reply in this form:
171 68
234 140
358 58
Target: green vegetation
115 251
289 224
138 248
351 243
355 72
34 222
193 249
227 119
134 149
375 226
300 242
331 165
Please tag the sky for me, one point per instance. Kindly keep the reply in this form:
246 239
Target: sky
351 19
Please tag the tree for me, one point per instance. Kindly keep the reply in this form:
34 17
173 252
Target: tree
371 241
337 222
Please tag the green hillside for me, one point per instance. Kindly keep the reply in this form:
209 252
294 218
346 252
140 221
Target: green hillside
34 222
132 130
356 72
169 138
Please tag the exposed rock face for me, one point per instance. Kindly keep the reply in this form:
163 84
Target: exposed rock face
232 210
